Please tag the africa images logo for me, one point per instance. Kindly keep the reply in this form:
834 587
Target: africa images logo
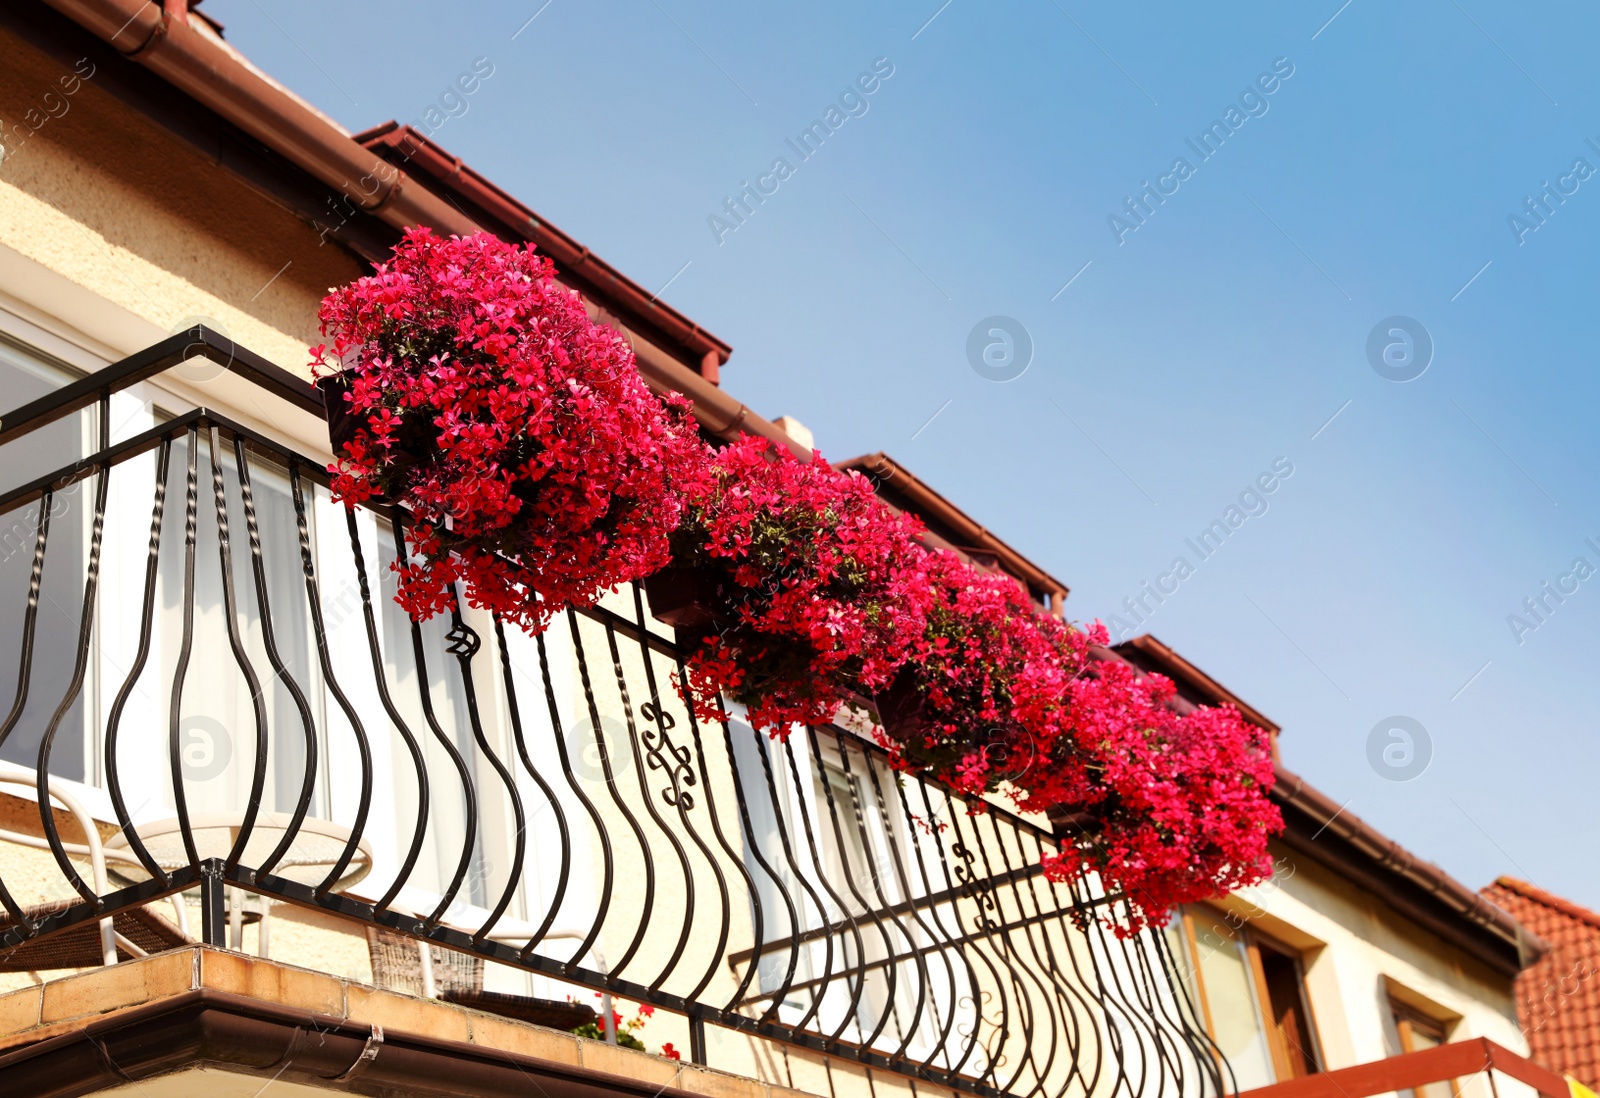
1253 102
853 102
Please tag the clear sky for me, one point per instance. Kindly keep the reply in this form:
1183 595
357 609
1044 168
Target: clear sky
1370 168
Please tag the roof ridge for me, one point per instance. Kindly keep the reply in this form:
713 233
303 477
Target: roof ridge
1548 899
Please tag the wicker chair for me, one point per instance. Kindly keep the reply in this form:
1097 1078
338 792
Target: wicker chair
397 965
139 932
457 978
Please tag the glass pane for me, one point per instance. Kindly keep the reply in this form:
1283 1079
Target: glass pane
1180 961
1420 1041
1235 1015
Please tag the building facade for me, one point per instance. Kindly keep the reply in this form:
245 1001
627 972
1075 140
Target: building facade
256 823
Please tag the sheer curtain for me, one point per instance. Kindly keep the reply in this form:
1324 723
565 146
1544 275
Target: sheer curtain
25 377
217 714
439 678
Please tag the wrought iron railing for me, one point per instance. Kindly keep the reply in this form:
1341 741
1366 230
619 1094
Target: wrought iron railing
256 715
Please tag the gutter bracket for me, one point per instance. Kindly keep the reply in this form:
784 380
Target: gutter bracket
369 1053
157 34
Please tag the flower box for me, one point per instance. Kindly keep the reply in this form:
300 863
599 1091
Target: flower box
687 599
413 443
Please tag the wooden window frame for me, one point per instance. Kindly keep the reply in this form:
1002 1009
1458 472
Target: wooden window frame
1253 940
1407 1020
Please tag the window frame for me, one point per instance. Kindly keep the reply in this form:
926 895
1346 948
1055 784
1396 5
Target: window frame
1408 1019
1253 939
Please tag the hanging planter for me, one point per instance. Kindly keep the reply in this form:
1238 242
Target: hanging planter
689 599
804 588
414 442
467 384
1163 808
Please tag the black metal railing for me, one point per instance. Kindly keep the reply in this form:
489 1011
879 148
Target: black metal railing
256 715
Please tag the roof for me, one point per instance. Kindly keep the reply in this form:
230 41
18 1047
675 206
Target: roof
178 72
1195 687
1558 999
900 488
493 208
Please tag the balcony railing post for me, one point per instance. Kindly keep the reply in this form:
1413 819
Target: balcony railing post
697 1039
213 910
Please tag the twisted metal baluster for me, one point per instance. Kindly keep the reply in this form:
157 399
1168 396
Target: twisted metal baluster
1210 1060
152 571
1066 992
381 681
464 649
469 794
91 587
1160 1008
1144 1023
753 845
951 947
180 672
1045 963
924 996
733 857
319 634
258 778
1025 1001
616 797
673 772
681 799
1147 1017
779 816
515 712
1109 1003
974 894
30 620
890 973
607 859
1070 927
270 643
966 889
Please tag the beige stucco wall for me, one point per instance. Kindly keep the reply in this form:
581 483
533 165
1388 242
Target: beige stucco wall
116 206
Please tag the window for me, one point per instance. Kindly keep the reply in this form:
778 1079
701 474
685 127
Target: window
1419 1032
1250 992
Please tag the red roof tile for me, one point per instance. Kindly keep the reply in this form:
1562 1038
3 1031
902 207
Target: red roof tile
1558 997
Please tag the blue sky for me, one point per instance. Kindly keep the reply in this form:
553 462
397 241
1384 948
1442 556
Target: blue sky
1225 333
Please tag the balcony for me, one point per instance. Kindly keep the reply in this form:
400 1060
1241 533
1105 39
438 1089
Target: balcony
216 709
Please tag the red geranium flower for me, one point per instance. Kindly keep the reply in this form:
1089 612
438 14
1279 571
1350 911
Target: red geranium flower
539 469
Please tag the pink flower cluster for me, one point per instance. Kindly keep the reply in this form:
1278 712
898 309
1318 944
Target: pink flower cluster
1166 808
540 472
985 698
823 596
538 468
820 589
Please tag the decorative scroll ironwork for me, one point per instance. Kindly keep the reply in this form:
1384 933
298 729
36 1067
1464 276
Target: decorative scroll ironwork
540 802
